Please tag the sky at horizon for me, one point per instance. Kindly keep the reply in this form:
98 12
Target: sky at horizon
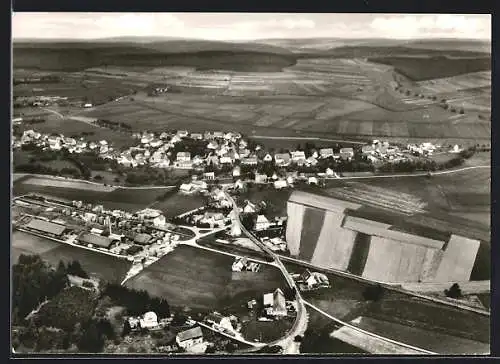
250 26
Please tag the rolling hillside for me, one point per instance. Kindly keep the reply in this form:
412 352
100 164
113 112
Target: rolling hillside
76 56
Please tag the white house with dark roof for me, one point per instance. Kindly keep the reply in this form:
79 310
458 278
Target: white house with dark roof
346 153
268 158
326 152
188 338
282 159
298 155
262 223
275 303
183 157
252 161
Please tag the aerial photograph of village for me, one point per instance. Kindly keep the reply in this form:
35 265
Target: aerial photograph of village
250 184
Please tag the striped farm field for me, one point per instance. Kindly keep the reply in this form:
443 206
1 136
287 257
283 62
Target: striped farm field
456 83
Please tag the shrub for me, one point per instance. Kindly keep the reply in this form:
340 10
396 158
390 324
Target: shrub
454 291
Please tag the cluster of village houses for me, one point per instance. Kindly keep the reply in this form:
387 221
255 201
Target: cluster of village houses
147 234
223 149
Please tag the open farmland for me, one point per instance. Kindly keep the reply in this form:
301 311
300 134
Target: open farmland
201 279
110 197
175 204
318 340
345 301
101 265
425 339
457 83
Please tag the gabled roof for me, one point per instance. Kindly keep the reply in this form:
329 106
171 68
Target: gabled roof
99 240
262 219
193 333
46 226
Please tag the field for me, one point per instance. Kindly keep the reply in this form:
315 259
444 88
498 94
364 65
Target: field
426 339
345 301
202 279
110 197
346 104
103 266
318 340
176 204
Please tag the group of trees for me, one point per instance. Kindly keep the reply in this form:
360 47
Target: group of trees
113 125
38 168
34 121
33 282
136 302
427 164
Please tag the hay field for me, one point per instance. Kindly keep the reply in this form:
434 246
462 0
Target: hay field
201 279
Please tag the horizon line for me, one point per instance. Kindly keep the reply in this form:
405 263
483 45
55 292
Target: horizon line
249 39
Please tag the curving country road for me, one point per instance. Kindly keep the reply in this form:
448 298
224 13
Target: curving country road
300 325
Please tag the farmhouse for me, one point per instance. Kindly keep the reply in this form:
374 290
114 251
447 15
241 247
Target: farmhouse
346 153
282 159
326 153
149 320
226 160
249 208
279 184
236 171
213 145
275 303
182 133
367 149
183 157
219 322
96 240
197 136
46 227
314 280
210 176
142 239
251 161
298 155
311 161
262 223
188 338
260 178
268 158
